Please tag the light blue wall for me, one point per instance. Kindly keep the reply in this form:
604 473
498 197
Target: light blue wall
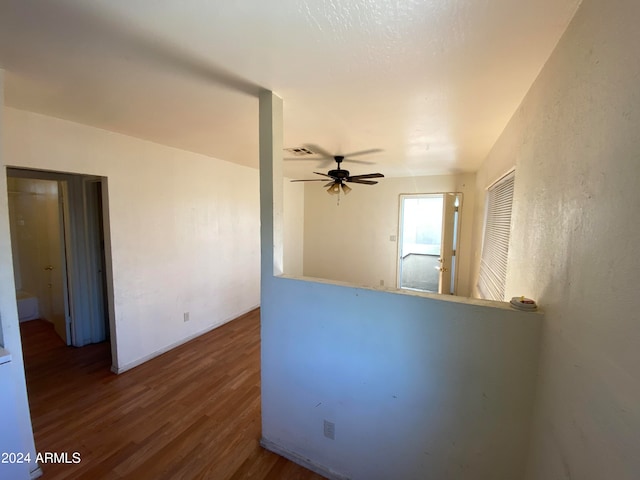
418 386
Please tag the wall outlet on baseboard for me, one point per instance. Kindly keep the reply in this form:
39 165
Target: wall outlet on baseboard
186 316
330 430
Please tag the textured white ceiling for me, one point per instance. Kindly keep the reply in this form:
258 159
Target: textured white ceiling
430 82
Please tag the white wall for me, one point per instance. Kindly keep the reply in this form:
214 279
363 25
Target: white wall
184 228
575 143
351 242
293 227
418 386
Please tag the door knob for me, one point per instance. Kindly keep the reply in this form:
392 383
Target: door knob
49 267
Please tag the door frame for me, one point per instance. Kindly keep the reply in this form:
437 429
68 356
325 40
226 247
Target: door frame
445 225
72 253
63 215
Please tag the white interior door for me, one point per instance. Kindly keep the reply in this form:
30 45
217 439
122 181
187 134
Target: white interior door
447 246
56 269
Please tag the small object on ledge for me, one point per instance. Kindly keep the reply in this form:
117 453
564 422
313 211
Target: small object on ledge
523 303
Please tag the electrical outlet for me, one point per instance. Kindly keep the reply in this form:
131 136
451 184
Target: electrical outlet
392 238
330 430
382 283
186 316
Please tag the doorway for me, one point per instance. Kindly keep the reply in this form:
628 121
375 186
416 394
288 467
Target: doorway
37 244
57 224
427 246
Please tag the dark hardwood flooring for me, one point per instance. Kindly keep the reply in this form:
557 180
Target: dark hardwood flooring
192 413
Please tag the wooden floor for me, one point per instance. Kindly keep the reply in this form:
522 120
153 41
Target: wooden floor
192 413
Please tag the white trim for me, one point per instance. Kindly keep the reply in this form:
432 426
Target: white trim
118 370
500 178
301 460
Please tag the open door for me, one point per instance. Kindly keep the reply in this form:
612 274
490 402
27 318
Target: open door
447 246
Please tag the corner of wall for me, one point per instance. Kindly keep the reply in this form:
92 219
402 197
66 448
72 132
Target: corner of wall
14 406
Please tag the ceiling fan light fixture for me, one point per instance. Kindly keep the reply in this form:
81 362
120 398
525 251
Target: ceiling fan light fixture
346 189
334 189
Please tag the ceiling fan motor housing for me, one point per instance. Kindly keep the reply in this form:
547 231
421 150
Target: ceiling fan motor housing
339 174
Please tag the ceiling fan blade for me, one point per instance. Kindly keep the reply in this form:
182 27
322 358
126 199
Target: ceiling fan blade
367 175
365 182
362 162
318 150
329 184
320 162
311 180
363 152
323 174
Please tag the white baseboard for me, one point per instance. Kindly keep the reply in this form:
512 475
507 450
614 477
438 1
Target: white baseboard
121 369
302 461
37 473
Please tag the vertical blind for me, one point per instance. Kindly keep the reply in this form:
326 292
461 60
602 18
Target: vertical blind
495 244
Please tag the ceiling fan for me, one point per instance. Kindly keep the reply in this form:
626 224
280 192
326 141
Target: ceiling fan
340 177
